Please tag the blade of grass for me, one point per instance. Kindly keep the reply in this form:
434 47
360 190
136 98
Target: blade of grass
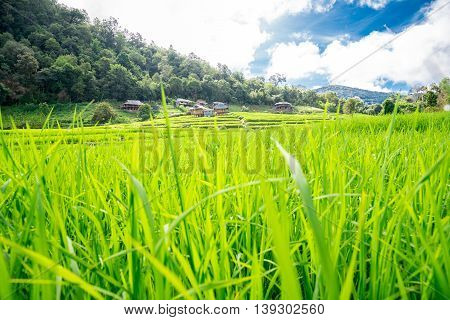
330 282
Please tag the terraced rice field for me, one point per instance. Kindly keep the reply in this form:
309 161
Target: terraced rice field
239 120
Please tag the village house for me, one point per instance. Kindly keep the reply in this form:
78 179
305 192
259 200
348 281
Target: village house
283 107
131 105
208 112
201 102
184 103
220 108
200 111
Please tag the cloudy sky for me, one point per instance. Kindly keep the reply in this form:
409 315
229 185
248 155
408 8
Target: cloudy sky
311 42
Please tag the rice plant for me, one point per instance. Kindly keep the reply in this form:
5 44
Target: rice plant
355 208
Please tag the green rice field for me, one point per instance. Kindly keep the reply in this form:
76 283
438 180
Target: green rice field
242 206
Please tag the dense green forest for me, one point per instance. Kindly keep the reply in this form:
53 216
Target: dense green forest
50 52
54 53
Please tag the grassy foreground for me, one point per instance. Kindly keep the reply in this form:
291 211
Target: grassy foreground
219 214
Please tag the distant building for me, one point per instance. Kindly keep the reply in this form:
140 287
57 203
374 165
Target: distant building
220 108
283 107
201 102
131 105
184 103
200 111
208 112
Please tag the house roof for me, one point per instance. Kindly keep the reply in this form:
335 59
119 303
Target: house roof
220 105
133 102
282 104
184 100
200 107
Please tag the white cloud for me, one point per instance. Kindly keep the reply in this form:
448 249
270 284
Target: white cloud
295 60
219 31
303 36
421 54
374 4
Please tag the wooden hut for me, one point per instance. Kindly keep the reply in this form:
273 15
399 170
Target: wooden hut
207 112
201 102
131 105
200 111
220 108
184 103
283 107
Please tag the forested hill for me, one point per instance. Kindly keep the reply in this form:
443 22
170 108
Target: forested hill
50 52
369 97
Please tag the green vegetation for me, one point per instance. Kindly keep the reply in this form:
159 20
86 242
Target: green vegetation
352 105
388 106
141 212
103 113
35 114
145 112
97 202
53 53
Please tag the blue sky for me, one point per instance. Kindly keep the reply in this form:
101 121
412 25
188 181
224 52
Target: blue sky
344 19
310 41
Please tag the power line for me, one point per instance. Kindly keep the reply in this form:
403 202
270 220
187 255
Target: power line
387 43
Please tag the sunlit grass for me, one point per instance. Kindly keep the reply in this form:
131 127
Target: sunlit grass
127 212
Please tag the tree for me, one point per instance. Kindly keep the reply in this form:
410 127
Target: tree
353 105
119 83
224 91
174 59
224 72
309 98
430 98
145 111
62 76
124 59
193 87
52 46
103 113
4 37
103 65
11 51
5 93
444 93
405 106
148 89
377 108
388 105
277 78
175 86
26 66
106 31
332 99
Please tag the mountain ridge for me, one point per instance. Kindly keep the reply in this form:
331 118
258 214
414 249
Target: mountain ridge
368 96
